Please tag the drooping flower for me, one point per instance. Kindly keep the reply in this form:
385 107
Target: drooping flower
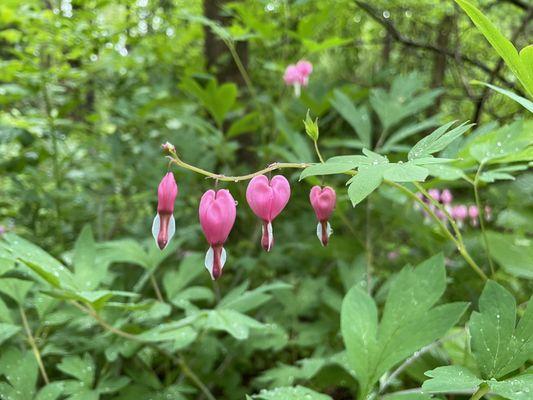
217 214
164 225
267 199
435 194
473 213
488 213
446 197
323 201
459 213
298 75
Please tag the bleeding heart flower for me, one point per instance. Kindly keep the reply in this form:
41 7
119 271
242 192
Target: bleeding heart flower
267 200
473 213
323 201
459 213
298 75
435 194
164 226
217 215
446 197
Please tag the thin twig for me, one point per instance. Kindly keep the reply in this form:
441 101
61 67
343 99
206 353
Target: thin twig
33 345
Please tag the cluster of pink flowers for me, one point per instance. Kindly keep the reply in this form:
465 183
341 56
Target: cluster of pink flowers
298 75
217 212
461 213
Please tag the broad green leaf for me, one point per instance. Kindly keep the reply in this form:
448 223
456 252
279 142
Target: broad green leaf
290 393
437 140
7 331
364 183
449 379
124 251
15 288
501 44
410 130
43 264
247 124
409 321
495 345
6 264
50 392
243 300
445 172
20 370
405 172
80 368
513 253
88 273
518 388
327 168
359 327
527 104
358 118
188 270
182 336
236 324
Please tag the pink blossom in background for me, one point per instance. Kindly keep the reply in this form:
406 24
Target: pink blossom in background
393 255
164 225
473 213
435 194
217 213
446 197
267 199
323 201
298 75
488 213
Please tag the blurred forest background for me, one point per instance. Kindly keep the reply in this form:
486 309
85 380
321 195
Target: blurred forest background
90 89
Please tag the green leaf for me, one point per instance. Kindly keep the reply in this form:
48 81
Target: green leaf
410 130
517 388
20 370
514 253
358 118
409 321
405 172
80 368
327 168
236 324
88 273
290 393
43 264
15 288
124 251
359 327
243 300
437 140
445 172
501 44
497 348
449 379
365 182
247 124
50 392
7 331
178 279
527 104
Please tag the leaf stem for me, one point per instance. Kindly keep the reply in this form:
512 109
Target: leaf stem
317 151
272 167
33 345
156 288
482 391
481 217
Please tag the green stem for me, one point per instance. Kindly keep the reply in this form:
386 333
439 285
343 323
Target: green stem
33 345
272 167
481 217
482 391
318 151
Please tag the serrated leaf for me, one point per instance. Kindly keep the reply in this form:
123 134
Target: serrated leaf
15 288
290 393
405 172
7 331
496 347
437 140
364 183
517 388
327 168
358 118
449 379
80 368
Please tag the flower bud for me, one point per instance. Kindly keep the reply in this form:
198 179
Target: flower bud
311 127
267 199
164 225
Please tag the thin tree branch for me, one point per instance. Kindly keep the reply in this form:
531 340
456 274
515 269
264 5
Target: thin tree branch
399 37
